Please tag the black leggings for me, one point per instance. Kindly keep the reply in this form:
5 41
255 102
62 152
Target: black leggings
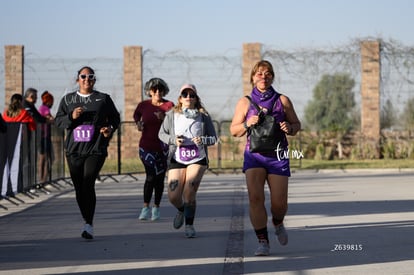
155 164
84 171
153 183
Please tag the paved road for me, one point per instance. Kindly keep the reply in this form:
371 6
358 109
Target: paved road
339 222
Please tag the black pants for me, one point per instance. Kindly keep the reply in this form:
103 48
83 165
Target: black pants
84 171
153 183
155 164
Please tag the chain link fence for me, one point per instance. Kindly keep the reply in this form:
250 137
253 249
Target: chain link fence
219 81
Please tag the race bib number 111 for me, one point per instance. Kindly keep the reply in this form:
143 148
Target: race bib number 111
83 133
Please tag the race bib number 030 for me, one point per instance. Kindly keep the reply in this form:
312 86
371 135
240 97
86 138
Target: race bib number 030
189 152
83 133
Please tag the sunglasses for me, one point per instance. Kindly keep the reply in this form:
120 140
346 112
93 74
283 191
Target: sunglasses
184 94
158 91
89 76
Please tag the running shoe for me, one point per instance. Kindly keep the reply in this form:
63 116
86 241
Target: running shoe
87 232
155 214
263 249
190 231
145 213
179 220
281 234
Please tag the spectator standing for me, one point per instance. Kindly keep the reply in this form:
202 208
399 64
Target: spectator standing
153 153
29 103
46 148
90 119
16 113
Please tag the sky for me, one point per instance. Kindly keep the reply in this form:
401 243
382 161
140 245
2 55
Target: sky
101 28
75 29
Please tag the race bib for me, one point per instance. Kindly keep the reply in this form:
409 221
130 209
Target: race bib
83 133
189 152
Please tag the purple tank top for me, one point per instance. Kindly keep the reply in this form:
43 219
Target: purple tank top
270 102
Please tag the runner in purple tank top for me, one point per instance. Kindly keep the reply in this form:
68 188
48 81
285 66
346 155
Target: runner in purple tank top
272 167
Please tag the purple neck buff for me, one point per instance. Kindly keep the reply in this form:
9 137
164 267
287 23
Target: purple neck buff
265 99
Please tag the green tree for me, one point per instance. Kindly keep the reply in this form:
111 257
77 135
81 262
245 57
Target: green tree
408 115
332 104
388 115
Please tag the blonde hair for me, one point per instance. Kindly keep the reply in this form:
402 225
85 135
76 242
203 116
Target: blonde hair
262 63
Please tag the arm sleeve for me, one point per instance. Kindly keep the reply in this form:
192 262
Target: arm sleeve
166 132
63 118
210 134
137 114
35 114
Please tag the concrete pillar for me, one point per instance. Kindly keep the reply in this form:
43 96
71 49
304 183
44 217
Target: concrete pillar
133 94
370 93
14 71
252 53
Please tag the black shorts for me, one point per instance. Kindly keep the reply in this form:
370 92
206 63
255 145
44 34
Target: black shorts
176 165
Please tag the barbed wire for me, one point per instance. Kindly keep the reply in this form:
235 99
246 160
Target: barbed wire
219 77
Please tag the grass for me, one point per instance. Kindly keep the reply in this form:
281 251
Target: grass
354 164
135 165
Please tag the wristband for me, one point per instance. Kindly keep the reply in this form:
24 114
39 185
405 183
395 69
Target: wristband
245 125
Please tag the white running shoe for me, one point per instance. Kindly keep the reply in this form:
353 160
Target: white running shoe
263 249
190 231
87 232
178 220
145 213
155 213
281 234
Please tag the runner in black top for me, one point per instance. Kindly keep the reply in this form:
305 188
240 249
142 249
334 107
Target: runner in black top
90 119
